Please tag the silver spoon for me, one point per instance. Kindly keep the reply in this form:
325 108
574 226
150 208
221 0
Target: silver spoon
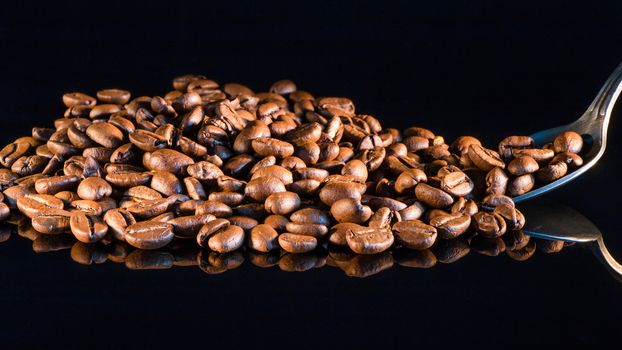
592 125
555 222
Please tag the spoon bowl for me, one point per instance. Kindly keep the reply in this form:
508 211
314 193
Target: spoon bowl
592 125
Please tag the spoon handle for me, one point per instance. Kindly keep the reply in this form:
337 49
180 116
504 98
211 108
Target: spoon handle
603 254
607 96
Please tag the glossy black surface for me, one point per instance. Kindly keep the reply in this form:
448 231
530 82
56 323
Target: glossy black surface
462 68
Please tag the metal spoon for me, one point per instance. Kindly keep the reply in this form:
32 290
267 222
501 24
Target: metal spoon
592 125
552 221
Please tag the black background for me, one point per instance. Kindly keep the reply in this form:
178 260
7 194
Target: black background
488 69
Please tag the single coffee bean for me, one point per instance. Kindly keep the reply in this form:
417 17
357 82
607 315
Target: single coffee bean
189 226
307 229
149 234
167 160
118 220
414 234
433 197
263 238
496 181
521 185
116 96
282 203
87 228
484 158
55 184
260 188
94 188
552 172
381 218
77 98
568 141
266 146
227 239
451 225
336 190
522 165
312 216
296 244
51 221
457 184
33 204
507 144
408 179
539 155
350 210
489 225
369 240
571 159
514 219
165 182
461 144
337 234
205 171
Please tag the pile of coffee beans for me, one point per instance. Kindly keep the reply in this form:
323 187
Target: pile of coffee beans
272 171
185 253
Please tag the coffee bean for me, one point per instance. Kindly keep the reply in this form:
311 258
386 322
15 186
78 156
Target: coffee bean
451 225
350 210
513 217
167 160
116 96
415 234
227 239
433 197
521 184
260 188
263 238
118 220
51 221
149 234
484 158
94 188
282 203
55 184
33 204
552 172
87 228
522 165
489 224
511 142
369 240
568 141
457 184
296 244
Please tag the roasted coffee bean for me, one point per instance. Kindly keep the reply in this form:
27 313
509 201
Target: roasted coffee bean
552 172
489 225
496 181
521 184
457 184
539 155
484 158
571 159
513 217
149 234
263 238
350 210
433 197
167 160
311 215
118 220
568 141
260 188
282 203
409 179
94 188
296 244
227 239
335 190
522 165
415 234
189 226
33 204
451 225
51 221
307 229
266 146
369 240
165 182
87 228
509 143
54 184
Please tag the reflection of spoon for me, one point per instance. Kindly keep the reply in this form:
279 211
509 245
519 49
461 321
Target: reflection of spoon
550 221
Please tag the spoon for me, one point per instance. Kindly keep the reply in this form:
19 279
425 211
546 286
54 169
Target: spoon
592 126
556 222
